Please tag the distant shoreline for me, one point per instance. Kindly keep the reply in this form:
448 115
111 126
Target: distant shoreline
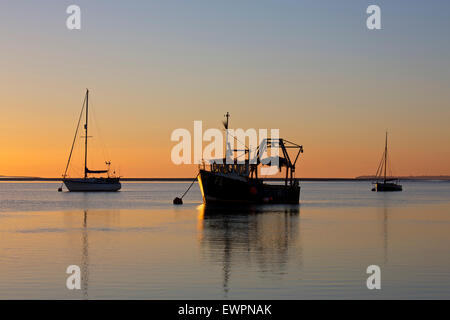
362 178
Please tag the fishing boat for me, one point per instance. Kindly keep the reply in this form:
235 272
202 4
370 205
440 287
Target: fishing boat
384 183
234 181
89 182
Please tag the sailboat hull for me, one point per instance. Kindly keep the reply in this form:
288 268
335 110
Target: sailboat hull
93 184
383 187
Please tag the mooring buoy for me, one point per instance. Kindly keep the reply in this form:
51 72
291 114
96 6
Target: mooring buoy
177 201
180 200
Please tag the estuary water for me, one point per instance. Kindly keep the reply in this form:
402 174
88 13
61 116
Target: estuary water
135 244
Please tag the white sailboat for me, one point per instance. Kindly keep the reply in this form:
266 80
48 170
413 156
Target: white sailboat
89 183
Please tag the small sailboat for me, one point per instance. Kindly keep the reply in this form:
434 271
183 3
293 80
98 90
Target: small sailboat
384 183
89 183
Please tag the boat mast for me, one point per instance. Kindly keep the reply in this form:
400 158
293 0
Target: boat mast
385 158
86 134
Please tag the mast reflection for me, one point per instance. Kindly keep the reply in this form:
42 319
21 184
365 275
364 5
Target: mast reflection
85 258
385 230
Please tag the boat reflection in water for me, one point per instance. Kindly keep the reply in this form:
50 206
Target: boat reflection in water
259 238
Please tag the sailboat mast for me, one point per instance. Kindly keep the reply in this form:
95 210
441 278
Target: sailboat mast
385 159
86 134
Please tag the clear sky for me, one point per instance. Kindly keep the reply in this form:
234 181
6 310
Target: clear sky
310 68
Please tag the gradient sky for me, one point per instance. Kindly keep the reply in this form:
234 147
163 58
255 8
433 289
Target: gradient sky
310 68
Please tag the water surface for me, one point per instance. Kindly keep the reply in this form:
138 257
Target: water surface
136 245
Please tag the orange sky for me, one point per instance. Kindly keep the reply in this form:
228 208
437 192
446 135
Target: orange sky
336 143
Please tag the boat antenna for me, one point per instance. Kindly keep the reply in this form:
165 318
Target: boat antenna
73 144
226 124
108 164
180 200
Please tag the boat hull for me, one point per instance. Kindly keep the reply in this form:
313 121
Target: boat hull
221 188
386 187
93 185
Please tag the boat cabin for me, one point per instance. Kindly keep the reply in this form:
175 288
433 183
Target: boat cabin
240 169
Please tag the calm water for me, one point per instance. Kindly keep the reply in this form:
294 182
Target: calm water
136 245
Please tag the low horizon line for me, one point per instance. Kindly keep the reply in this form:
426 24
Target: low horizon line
359 178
